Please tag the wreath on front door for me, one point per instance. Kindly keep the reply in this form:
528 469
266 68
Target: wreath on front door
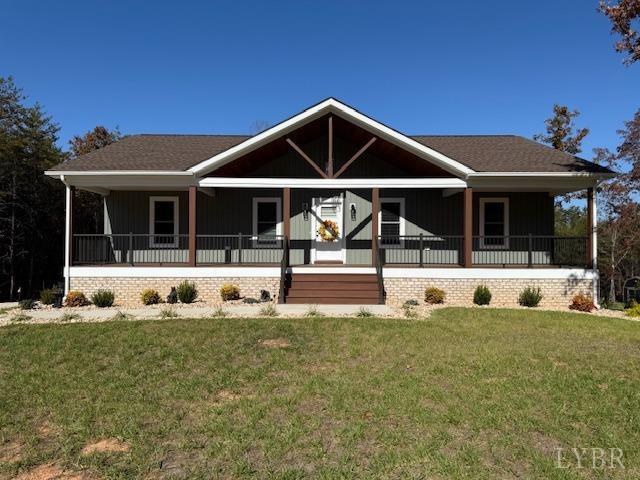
328 230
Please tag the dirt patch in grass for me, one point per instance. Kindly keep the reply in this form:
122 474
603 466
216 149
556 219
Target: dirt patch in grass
10 452
51 471
105 445
275 343
544 443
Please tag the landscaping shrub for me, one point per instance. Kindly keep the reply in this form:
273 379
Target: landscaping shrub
250 300
229 292
633 311
48 296
530 297
103 298
173 296
187 292
269 310
75 298
434 295
265 296
482 295
27 304
411 303
149 296
409 310
582 303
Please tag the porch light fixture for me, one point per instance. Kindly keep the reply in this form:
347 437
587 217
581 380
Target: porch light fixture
305 211
352 209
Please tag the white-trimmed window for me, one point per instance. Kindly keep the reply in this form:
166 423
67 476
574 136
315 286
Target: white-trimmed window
267 219
163 221
391 222
494 222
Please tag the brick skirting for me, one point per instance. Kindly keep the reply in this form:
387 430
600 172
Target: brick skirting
505 292
127 289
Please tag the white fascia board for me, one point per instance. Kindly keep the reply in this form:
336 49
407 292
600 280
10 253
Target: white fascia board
114 173
331 105
492 273
124 179
332 183
173 272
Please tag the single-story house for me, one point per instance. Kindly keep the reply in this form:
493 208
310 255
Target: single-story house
331 206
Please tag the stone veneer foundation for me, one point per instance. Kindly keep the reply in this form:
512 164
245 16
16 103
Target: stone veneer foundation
505 292
127 289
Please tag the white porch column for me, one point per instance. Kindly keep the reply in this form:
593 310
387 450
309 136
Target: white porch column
67 236
592 222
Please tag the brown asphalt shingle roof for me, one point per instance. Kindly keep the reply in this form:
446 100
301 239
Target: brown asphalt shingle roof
482 153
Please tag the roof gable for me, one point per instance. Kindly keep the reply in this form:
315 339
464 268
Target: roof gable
333 106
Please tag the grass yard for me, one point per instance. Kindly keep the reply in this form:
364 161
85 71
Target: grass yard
468 393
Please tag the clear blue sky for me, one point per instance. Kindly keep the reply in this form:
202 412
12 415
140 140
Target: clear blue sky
464 67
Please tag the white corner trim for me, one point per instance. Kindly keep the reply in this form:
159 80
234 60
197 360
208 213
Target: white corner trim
278 202
67 230
332 182
492 273
316 111
173 272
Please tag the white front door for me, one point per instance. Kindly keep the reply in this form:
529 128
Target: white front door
326 250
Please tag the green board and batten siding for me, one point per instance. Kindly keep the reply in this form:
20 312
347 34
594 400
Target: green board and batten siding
229 212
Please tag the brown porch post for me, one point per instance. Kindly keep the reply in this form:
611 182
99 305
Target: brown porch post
375 209
468 227
286 211
193 193
590 229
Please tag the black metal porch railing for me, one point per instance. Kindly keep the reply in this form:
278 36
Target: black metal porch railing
513 250
239 249
104 249
138 249
421 250
530 250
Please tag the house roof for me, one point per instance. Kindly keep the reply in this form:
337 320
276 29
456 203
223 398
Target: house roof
175 153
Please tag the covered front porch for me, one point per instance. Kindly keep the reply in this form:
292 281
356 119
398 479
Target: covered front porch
431 225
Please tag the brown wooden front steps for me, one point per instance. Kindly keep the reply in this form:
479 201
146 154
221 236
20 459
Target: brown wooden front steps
332 288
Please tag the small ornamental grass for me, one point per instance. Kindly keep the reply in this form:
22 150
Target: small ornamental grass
582 303
103 298
120 316
409 311
27 304
20 317
229 291
364 312
47 296
269 310
482 295
149 296
219 313
187 292
76 298
70 317
168 313
313 312
433 295
530 297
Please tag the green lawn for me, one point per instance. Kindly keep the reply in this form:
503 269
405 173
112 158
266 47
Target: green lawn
467 393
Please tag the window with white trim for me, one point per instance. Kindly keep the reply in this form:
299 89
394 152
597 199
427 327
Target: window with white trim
391 222
163 221
267 219
494 222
